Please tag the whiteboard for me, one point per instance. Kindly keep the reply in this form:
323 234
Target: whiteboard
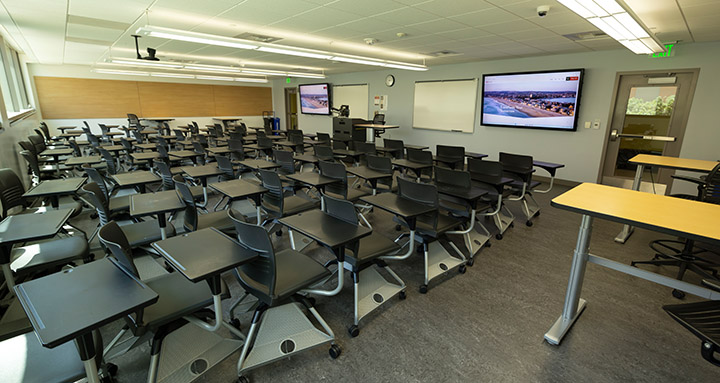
445 105
356 96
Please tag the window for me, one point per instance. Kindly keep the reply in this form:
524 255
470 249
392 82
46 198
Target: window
12 81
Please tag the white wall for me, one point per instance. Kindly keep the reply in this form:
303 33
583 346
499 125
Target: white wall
82 71
581 151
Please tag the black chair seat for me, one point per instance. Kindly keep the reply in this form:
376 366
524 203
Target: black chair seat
218 220
14 322
294 271
517 185
146 232
371 247
63 203
25 360
294 204
703 320
178 297
47 255
444 223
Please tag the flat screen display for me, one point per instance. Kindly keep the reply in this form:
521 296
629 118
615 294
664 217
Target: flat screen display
536 100
315 99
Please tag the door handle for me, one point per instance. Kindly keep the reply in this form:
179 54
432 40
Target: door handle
614 135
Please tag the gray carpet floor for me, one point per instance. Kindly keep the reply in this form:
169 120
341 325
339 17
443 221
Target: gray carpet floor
488 324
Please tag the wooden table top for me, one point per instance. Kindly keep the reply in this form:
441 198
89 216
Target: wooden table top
674 162
670 215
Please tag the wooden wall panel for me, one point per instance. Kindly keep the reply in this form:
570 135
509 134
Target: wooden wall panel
242 100
77 98
164 99
86 98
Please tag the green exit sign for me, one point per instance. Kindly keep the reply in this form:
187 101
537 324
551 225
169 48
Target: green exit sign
670 52
287 80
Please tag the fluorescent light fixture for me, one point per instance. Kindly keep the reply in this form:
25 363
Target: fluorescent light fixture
123 72
263 72
358 61
616 19
195 37
248 79
156 64
173 75
203 38
293 52
212 68
303 75
218 78
283 74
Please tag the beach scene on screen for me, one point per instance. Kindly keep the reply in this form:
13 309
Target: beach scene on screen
314 99
534 100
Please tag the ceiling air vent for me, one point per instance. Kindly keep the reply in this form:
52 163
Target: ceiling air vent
444 53
258 38
585 36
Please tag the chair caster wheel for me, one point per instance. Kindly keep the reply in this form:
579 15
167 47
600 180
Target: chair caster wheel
402 295
678 294
243 379
278 233
537 214
470 262
512 224
398 227
312 301
488 244
423 289
353 331
498 236
462 269
528 223
112 369
335 351
94 215
235 323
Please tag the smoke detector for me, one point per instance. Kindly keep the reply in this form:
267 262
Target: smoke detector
370 41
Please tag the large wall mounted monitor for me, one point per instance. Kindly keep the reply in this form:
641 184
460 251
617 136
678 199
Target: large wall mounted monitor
536 100
315 99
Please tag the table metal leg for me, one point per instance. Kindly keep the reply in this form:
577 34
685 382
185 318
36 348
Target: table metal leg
627 230
86 348
163 225
574 305
205 193
9 278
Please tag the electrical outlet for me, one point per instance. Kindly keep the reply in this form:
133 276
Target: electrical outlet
587 124
596 124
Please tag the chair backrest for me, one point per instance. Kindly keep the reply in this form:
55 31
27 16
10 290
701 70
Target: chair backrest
202 139
274 198
256 238
324 153
323 138
395 144
75 147
166 175
42 134
518 163
423 193
109 160
238 152
180 135
365 147
264 142
340 209
133 120
11 191
162 141
97 198
104 129
112 236
379 119
93 140
126 144
488 173
419 156
191 214
138 136
224 164
455 178
27 145
337 144
32 162
236 135
96 177
44 128
456 152
295 136
162 153
38 142
380 164
199 149
711 192
285 159
335 170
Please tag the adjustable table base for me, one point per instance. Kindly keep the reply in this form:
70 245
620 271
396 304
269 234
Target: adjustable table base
373 290
439 261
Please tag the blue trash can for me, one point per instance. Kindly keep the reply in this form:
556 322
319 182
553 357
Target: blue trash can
275 124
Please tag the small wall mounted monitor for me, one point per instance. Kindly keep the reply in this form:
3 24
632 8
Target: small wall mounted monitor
315 99
535 100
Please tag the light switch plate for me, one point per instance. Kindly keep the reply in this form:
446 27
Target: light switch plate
596 124
587 124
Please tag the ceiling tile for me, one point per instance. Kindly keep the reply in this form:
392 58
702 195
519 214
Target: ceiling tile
453 8
365 8
464 33
125 11
485 17
529 34
369 26
98 33
438 25
319 18
406 16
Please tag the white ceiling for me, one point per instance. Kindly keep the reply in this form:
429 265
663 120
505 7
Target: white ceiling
87 31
